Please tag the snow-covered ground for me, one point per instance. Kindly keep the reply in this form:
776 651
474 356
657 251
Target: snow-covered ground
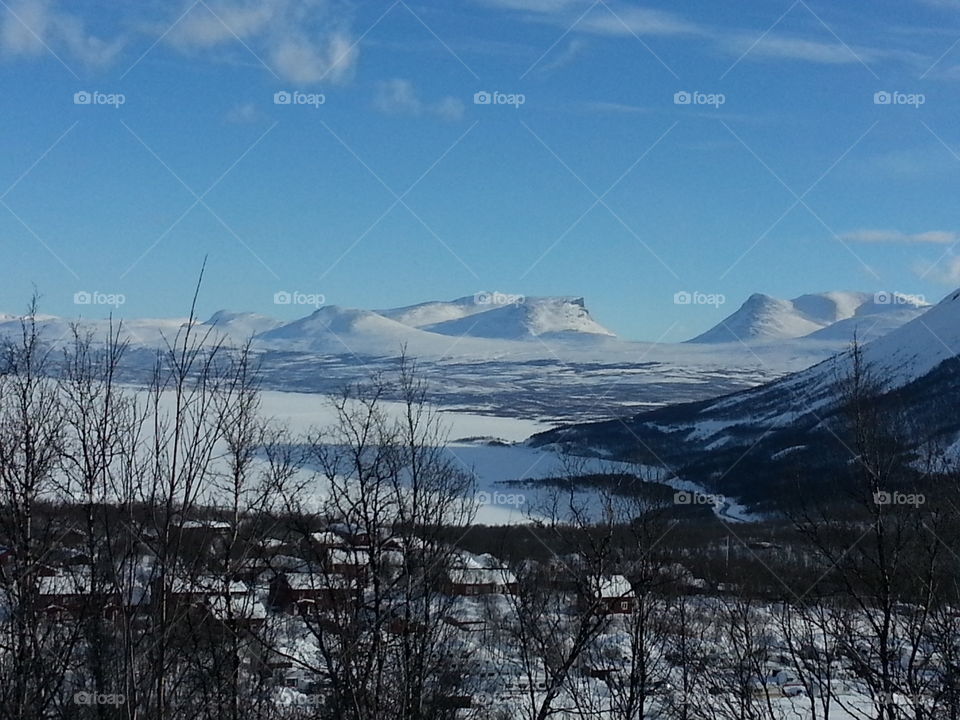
491 450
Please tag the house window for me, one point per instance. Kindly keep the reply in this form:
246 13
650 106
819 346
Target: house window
292 682
624 605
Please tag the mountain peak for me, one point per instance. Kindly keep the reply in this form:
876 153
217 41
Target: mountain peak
833 315
502 316
525 318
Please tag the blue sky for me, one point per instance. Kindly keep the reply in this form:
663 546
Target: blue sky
786 173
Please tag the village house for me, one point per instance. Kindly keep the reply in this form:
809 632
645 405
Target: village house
351 562
201 589
70 595
613 593
243 611
307 593
468 581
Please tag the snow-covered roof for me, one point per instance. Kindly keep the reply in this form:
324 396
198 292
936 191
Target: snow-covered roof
316 581
208 585
64 584
327 537
615 586
206 525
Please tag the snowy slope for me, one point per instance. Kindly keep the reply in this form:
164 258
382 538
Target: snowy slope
915 349
435 311
334 329
761 317
240 326
867 326
821 316
765 432
495 316
534 317
148 332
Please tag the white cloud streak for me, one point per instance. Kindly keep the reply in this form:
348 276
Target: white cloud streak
936 237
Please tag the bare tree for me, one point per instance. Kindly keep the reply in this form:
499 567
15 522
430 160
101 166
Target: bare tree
392 492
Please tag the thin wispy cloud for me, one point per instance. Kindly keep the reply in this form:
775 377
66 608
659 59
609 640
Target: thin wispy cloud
571 52
946 271
614 108
542 6
935 237
33 28
606 18
399 96
615 19
784 47
304 42
244 114
637 21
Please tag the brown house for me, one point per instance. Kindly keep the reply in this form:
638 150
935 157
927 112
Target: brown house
614 593
70 595
467 581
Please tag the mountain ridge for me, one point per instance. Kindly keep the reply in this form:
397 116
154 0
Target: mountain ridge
837 315
748 442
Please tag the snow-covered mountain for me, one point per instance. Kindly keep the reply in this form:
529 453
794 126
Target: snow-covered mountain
430 327
752 441
502 317
339 330
240 326
532 357
532 318
821 316
436 311
58 331
472 322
